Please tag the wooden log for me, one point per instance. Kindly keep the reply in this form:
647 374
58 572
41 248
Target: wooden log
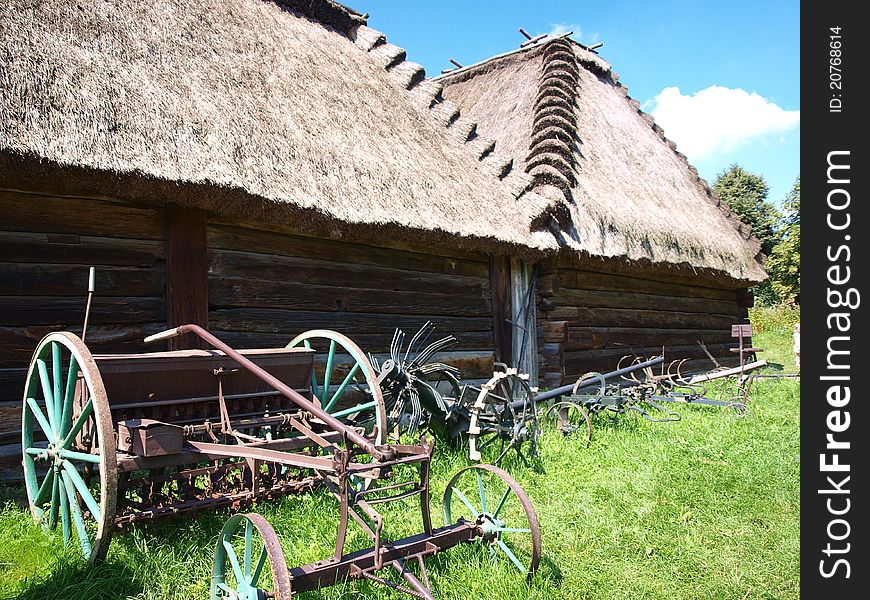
186 273
37 248
79 216
583 361
548 285
377 342
237 292
226 263
590 280
23 279
611 299
285 244
649 319
554 331
285 228
68 312
18 343
693 276
588 338
263 320
500 283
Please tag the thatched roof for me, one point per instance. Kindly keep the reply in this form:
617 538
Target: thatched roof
617 186
286 111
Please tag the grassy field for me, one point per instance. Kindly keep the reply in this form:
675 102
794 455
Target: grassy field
707 507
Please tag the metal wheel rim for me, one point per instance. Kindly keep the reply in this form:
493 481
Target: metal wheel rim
364 365
249 565
474 429
68 483
533 529
554 416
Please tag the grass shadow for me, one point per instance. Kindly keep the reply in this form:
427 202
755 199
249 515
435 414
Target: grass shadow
13 492
70 578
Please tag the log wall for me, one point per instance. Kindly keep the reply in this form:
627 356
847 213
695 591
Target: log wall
589 317
267 286
47 244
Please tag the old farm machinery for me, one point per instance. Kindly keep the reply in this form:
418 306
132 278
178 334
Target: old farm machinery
110 440
506 413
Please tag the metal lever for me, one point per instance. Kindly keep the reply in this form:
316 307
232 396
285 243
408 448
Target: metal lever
163 335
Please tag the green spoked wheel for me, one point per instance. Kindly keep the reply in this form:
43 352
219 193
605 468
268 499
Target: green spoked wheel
248 562
508 524
347 386
69 445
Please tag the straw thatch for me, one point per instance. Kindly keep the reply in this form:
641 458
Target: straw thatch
288 111
605 166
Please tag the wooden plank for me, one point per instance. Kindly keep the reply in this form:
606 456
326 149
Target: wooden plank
500 284
523 330
650 319
588 338
620 299
554 331
377 342
238 292
577 363
445 250
591 280
12 383
285 244
18 343
186 273
226 263
66 313
41 248
23 279
686 275
79 216
262 320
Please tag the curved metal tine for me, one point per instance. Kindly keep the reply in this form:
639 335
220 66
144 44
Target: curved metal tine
619 366
395 345
424 330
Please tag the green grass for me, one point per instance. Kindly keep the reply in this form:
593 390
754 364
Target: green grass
707 507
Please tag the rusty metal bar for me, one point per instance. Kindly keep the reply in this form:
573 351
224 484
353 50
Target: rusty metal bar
273 381
326 573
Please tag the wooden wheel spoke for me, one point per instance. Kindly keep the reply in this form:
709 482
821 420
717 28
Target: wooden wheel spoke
71 379
466 502
77 517
248 531
501 502
64 516
234 560
43 493
55 371
72 473
512 556
481 491
355 409
340 390
87 409
258 570
55 501
46 427
327 374
47 392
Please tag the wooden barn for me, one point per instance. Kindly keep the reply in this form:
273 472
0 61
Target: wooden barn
267 167
649 256
260 168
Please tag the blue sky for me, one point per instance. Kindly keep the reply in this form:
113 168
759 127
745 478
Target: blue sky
721 78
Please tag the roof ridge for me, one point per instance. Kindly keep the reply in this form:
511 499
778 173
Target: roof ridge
426 94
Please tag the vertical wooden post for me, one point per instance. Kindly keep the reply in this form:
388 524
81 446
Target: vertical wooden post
500 288
186 273
524 337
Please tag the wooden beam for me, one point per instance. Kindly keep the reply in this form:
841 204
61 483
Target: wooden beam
500 288
186 272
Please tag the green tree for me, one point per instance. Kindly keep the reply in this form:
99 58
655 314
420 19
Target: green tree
745 194
784 264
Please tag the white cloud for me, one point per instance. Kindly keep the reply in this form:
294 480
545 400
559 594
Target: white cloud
563 28
718 119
